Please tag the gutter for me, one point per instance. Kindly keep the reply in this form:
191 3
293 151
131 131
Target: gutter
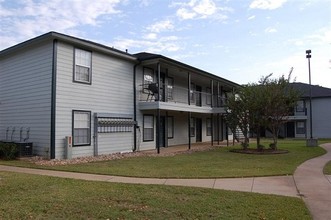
135 107
53 100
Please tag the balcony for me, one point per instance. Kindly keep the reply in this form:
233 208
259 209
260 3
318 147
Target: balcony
176 98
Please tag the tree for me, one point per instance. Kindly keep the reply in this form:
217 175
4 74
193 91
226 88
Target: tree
280 99
237 116
259 105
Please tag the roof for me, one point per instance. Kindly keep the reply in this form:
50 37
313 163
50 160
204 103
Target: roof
70 39
317 91
139 57
143 56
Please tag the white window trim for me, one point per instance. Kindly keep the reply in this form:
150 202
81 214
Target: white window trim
89 66
88 127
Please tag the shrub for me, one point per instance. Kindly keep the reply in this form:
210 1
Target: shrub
8 151
272 146
244 145
260 147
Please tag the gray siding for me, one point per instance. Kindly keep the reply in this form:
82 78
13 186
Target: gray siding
25 95
110 92
321 118
180 118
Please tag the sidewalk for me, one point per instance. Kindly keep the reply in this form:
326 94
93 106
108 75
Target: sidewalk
278 185
308 182
314 186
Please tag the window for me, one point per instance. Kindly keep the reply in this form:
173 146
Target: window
170 127
192 127
148 128
148 76
82 70
301 127
208 96
81 128
300 106
208 127
192 91
170 88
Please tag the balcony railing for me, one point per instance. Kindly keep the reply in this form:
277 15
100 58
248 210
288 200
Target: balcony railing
149 93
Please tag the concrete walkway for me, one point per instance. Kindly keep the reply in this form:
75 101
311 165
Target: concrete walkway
314 186
278 185
308 182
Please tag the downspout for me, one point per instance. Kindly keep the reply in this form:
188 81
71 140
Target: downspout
158 118
189 113
135 106
53 100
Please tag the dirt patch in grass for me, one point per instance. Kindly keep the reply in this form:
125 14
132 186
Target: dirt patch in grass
259 151
115 156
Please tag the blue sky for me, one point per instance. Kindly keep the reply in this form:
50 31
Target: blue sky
240 40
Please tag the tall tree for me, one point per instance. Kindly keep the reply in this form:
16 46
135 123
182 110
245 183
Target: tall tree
280 99
237 116
259 105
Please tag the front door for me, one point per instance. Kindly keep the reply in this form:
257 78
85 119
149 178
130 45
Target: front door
198 130
162 131
290 130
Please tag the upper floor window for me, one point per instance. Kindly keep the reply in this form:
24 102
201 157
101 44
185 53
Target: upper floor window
208 96
192 92
170 88
300 106
148 76
82 70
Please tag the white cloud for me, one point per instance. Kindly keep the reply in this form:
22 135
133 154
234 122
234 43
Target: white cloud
267 4
144 3
158 45
185 14
150 36
251 17
196 9
204 7
270 30
29 18
161 26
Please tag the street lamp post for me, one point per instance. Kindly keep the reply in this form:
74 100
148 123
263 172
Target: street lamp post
311 142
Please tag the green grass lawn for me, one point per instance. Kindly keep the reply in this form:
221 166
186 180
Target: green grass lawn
327 168
26 196
209 164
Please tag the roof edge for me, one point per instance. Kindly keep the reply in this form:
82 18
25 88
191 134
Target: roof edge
144 56
71 39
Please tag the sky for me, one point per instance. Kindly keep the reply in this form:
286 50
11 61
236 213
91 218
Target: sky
240 40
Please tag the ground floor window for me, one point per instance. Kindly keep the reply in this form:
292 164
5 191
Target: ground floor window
192 127
208 127
81 128
148 128
170 127
301 127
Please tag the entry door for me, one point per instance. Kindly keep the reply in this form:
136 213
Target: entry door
162 131
198 130
198 93
290 130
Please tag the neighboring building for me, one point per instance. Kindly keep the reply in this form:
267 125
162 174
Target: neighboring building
56 86
298 125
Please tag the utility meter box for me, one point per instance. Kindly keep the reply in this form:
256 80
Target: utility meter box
68 147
